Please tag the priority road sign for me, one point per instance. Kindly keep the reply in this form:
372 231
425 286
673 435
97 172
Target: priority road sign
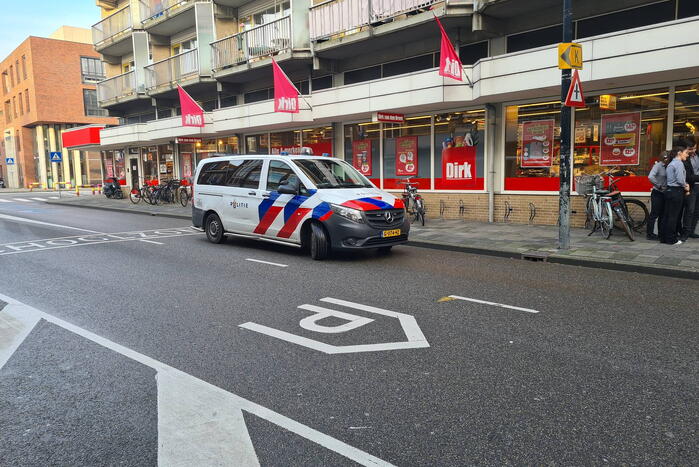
9 161
575 97
570 56
56 157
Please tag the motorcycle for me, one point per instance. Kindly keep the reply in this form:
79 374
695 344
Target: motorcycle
2 183
112 189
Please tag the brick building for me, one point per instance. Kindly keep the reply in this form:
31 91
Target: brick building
48 85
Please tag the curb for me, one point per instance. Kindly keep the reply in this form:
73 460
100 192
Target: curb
130 211
533 255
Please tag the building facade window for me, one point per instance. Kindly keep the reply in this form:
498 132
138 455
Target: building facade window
459 150
624 138
92 69
8 111
5 83
92 108
21 104
24 66
686 118
14 107
12 77
17 70
362 143
532 146
407 151
26 100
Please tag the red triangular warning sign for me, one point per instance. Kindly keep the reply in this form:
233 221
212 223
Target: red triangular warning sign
575 97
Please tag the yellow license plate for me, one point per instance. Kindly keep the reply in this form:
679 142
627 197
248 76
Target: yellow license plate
390 233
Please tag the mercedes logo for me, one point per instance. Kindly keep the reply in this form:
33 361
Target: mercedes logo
388 216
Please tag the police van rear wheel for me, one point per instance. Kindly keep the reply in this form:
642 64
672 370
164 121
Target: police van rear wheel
320 245
214 229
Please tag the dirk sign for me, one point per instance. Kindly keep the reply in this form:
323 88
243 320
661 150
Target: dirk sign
570 56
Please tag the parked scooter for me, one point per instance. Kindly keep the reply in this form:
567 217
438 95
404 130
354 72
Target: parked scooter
112 189
2 183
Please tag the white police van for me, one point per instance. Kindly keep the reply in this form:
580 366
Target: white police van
319 203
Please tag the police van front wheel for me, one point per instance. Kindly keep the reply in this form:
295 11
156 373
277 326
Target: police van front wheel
320 243
214 229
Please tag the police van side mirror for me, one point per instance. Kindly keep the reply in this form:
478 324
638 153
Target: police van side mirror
289 187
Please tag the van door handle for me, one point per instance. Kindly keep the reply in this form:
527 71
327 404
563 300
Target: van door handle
252 193
266 195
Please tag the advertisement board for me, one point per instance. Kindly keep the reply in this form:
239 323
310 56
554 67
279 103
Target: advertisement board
361 156
621 139
537 143
406 156
459 167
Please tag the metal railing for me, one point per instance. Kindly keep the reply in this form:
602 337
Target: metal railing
172 69
259 41
112 25
118 86
153 9
335 17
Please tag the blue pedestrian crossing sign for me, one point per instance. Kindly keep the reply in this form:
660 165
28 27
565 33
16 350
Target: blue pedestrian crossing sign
9 161
56 157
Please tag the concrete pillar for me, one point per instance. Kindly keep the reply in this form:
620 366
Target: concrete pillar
206 34
140 59
52 147
43 170
300 33
338 140
77 168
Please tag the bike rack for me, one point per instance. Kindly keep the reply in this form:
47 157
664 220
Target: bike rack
442 208
462 208
532 212
508 211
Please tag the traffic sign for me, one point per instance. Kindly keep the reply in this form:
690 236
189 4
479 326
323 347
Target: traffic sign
56 157
570 56
575 97
9 161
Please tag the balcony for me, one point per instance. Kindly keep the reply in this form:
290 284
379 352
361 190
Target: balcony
261 41
117 89
109 35
343 17
167 73
168 17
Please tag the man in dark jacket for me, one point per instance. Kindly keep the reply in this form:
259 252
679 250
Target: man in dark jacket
690 201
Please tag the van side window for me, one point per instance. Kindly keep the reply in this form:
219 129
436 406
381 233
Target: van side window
277 173
245 175
213 173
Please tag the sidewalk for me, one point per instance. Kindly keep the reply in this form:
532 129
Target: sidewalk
533 242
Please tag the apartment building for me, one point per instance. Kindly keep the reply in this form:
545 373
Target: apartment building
48 85
353 60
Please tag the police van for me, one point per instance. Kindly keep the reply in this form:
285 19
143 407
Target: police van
318 203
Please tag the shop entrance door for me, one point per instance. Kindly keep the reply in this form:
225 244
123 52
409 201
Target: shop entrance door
133 168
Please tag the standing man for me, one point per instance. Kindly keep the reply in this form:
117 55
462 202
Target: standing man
694 163
689 219
674 195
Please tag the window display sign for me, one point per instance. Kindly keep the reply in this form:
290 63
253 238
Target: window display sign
607 102
621 139
406 156
361 156
537 143
317 149
459 167
186 164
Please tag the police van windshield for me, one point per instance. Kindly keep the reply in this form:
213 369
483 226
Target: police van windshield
332 174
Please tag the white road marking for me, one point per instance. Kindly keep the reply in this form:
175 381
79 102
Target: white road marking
501 305
54 197
49 224
13 331
236 402
24 200
151 241
416 339
5 200
39 199
267 262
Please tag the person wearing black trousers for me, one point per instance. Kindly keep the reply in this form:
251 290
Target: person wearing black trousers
690 200
674 195
658 177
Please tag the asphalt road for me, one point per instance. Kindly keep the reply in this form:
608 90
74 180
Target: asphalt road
605 371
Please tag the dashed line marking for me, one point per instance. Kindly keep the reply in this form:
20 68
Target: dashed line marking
5 200
500 305
24 200
267 262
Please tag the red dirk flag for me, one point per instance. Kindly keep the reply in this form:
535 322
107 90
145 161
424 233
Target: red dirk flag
286 96
449 62
192 113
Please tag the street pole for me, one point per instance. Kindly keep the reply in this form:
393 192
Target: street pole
564 163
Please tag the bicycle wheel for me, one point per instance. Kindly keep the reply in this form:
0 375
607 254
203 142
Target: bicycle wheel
606 221
135 196
623 221
420 209
184 197
589 213
636 213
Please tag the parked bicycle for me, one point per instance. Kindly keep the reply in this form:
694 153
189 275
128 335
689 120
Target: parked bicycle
414 204
184 192
607 207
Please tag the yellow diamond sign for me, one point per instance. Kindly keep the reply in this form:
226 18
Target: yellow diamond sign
570 56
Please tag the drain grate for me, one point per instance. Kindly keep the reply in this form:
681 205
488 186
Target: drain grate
536 256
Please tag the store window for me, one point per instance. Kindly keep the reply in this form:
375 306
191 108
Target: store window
459 155
150 163
406 150
622 133
285 142
166 161
686 119
120 167
257 144
362 148
532 146
319 140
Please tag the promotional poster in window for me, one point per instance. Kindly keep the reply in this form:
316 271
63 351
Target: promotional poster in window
621 139
361 156
537 143
406 156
